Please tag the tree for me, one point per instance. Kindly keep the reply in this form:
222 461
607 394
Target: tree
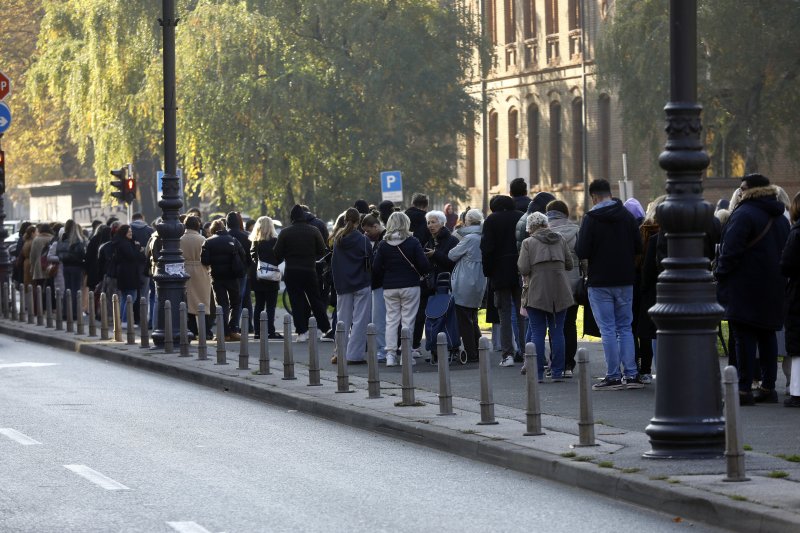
747 72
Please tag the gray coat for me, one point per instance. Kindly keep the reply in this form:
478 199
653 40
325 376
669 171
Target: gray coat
545 260
467 281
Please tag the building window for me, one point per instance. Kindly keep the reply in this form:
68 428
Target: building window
529 19
574 14
577 140
551 30
604 131
470 159
513 134
555 142
533 142
493 149
491 23
511 21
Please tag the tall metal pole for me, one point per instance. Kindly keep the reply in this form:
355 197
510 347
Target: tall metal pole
688 420
170 277
5 261
484 61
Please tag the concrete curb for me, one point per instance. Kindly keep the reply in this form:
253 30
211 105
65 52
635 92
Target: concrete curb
677 499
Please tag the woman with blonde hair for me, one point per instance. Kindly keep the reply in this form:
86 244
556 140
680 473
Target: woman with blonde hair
71 252
263 239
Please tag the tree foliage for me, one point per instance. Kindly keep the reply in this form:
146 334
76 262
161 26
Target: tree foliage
747 73
279 101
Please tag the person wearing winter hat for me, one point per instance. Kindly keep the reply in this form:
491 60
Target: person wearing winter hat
385 209
300 245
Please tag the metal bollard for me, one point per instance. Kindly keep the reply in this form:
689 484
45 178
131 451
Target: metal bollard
183 326
21 302
313 354
68 305
373 376
14 313
144 332
92 320
263 345
445 393
4 301
202 348
59 311
130 323
533 415
586 414
244 348
116 315
48 306
39 306
288 355
408 370
169 341
79 320
342 377
487 398
103 316
734 452
222 354
29 303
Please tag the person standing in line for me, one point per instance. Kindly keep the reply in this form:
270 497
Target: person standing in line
39 248
225 255
233 222
609 239
452 216
351 264
71 251
263 238
790 268
301 245
518 189
419 228
468 282
374 230
399 264
198 287
141 234
436 250
127 263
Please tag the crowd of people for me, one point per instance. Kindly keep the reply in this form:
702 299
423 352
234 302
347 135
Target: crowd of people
528 263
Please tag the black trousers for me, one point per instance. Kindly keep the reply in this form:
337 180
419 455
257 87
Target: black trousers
266 299
468 329
570 337
419 320
227 295
303 290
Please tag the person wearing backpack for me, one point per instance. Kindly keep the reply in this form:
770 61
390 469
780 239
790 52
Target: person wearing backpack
71 252
227 259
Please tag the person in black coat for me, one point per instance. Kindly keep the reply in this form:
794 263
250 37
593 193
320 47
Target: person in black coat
263 239
227 259
416 214
790 267
518 189
233 221
127 263
499 254
750 283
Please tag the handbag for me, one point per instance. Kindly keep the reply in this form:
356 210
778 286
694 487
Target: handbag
267 272
52 270
425 280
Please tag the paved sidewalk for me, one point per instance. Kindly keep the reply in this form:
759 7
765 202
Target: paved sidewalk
691 489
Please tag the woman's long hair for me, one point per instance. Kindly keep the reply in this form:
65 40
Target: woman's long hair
73 232
352 219
264 230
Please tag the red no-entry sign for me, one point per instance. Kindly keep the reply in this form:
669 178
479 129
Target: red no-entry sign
5 86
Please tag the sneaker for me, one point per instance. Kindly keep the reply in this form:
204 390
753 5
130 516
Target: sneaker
302 337
523 370
792 401
330 336
507 361
548 372
413 361
275 336
762 395
746 398
634 382
558 379
647 379
568 374
609 384
381 357
233 337
391 359
519 358
415 353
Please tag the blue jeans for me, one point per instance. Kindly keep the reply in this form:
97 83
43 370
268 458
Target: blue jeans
612 308
123 302
539 322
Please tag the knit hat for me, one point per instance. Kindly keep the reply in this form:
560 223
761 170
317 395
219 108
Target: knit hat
385 208
755 180
297 214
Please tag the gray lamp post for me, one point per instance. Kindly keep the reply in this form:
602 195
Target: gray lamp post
688 419
170 277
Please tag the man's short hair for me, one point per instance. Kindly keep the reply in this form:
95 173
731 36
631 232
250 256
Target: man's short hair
518 187
192 222
558 205
419 200
600 188
137 216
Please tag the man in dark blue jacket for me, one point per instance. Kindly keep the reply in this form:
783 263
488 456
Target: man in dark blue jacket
609 239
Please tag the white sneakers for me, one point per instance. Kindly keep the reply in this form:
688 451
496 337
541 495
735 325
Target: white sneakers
507 361
416 354
302 337
391 359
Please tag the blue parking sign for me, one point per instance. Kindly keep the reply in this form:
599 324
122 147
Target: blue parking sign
392 186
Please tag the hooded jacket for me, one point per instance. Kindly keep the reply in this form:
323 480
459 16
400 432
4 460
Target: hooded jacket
395 270
609 239
348 263
234 225
419 226
545 259
499 243
300 245
468 282
790 268
218 252
562 225
750 282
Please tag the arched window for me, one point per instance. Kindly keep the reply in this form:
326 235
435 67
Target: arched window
511 21
493 148
533 142
470 159
513 134
555 142
577 140
604 132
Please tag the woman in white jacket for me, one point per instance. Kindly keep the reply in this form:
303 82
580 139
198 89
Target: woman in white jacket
468 282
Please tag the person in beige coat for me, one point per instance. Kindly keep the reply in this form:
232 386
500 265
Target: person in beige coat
544 260
198 287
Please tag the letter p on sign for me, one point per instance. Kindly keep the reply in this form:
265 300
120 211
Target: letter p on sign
5 86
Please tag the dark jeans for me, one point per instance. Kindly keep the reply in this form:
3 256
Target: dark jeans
268 299
419 320
468 329
303 290
749 338
73 279
570 337
227 295
645 355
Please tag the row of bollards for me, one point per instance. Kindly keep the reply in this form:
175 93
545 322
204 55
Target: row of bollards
33 305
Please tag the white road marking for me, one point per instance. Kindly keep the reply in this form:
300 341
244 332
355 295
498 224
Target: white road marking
26 364
187 527
13 434
96 477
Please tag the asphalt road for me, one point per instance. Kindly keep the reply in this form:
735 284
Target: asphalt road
89 446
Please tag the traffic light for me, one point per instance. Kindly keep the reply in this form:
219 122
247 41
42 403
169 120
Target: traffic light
119 183
130 189
2 172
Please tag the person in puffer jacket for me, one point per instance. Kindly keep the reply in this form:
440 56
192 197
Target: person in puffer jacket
228 260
